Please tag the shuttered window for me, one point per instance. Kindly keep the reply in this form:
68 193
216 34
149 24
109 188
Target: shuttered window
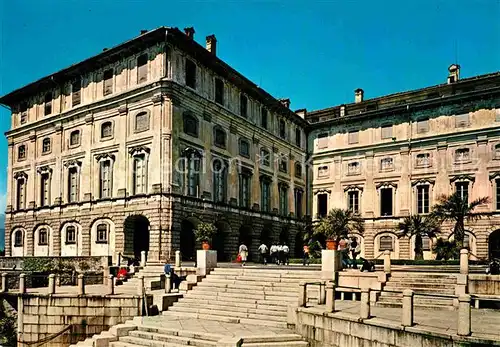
44 186
46 145
105 181
386 243
243 106
76 90
108 82
48 103
74 138
190 74
387 132
298 141
21 193
422 126
70 235
43 237
139 174
353 137
102 233
219 91
18 238
73 184
142 68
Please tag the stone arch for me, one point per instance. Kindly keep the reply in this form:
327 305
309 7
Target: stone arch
470 241
494 244
428 254
103 238
284 236
266 234
18 242
220 240
187 238
43 240
71 239
382 237
136 229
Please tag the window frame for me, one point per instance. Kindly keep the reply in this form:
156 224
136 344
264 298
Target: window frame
219 130
243 105
354 206
146 127
71 134
142 68
219 91
46 145
21 149
282 128
187 117
18 241
264 118
69 241
265 157
190 74
42 231
298 137
386 131
298 170
243 141
76 93
107 82
47 99
422 208
353 137
386 236
111 131
99 239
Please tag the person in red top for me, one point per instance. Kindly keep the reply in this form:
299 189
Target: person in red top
305 256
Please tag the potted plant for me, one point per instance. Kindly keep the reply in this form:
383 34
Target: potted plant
337 225
204 233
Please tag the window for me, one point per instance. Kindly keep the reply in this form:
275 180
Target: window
106 130
48 103
426 243
45 189
497 181
386 243
108 82
422 126
283 195
190 125
190 74
323 140
21 193
244 148
18 238
76 88
245 178
191 162
462 188
73 183
386 164
282 129
462 155
46 145
298 170
353 168
139 181
219 137
141 122
323 171
219 91
265 157
74 138
105 179
263 118
70 235
353 201
423 159
142 68
386 201
496 154
423 199
283 164
102 233
265 193
322 205
462 120
298 140
386 132
23 113
298 202
220 181
21 152
243 106
353 137
43 237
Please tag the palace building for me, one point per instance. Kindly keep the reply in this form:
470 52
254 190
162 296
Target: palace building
129 150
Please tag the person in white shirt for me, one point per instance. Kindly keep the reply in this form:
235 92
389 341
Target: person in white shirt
280 254
263 253
274 254
286 254
243 254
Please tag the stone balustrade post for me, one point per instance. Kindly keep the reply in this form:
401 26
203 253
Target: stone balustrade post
330 297
143 258
464 315
302 294
52 284
22 283
387 262
177 259
464 261
111 285
407 316
5 288
364 309
81 284
168 283
322 293
140 289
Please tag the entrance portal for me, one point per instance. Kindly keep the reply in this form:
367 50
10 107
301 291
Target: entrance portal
188 240
136 230
494 245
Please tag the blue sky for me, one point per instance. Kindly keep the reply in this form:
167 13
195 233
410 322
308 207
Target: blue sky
314 53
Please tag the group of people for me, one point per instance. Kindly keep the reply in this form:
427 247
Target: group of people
350 249
277 254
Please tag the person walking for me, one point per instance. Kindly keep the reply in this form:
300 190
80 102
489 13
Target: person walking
280 254
263 253
243 254
274 253
286 254
305 255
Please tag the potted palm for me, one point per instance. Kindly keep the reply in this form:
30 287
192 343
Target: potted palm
204 233
337 225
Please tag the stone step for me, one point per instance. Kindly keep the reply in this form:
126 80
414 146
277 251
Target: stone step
424 307
240 296
182 340
272 338
232 313
194 301
260 276
280 283
422 280
422 275
417 301
250 291
226 319
237 284
181 333
419 286
229 308
138 341
277 344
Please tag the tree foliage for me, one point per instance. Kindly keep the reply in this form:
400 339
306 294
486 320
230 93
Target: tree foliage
418 226
445 249
338 224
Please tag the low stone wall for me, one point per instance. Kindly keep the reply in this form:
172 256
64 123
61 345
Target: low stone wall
332 330
356 279
484 284
80 264
71 317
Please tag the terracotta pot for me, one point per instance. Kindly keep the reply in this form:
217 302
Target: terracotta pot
332 244
205 245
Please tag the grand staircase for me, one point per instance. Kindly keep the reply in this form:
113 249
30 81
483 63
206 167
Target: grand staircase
428 283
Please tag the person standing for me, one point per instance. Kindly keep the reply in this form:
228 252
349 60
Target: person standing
280 254
354 252
263 253
274 253
305 255
243 254
286 254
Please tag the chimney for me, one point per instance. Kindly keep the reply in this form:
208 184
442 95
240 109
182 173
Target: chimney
143 31
285 102
189 31
342 111
358 95
211 44
453 73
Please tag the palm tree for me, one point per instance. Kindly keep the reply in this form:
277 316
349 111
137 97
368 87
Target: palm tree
456 209
418 226
338 224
